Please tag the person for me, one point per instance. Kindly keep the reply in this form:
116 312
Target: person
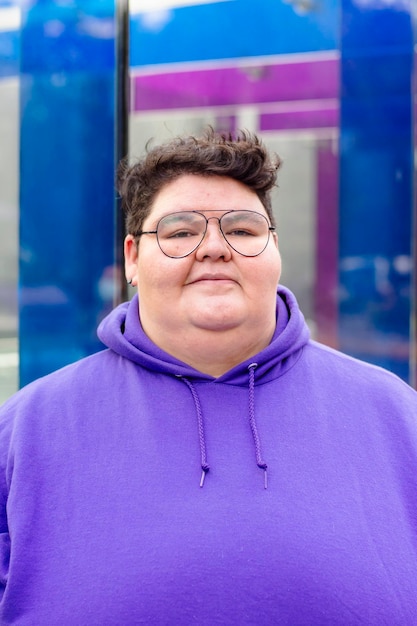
213 465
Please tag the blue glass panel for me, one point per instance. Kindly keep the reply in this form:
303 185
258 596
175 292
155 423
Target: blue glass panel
9 54
66 181
376 183
9 38
241 28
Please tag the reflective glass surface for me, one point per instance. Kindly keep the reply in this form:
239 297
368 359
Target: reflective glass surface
327 86
9 196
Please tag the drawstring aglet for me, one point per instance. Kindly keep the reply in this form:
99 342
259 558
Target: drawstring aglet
265 479
203 476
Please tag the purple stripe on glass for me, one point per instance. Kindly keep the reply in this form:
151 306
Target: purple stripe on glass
317 118
305 80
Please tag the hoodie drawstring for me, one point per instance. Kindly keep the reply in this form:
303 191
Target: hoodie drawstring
201 436
259 461
252 421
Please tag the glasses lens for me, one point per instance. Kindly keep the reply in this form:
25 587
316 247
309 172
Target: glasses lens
180 233
247 232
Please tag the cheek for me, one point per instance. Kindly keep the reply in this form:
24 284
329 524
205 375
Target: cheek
278 267
270 271
158 272
275 262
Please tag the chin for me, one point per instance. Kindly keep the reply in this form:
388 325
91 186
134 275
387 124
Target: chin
217 322
217 313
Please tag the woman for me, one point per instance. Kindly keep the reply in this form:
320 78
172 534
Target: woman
213 465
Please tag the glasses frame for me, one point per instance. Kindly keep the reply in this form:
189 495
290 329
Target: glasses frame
271 229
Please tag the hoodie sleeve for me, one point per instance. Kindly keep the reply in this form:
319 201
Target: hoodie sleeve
6 463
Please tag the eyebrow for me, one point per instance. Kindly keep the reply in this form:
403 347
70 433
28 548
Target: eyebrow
202 211
173 217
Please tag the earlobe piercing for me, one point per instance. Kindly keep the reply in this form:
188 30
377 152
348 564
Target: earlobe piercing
130 281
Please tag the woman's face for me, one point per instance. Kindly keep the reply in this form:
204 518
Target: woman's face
213 289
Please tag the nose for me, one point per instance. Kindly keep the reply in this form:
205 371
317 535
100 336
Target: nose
214 245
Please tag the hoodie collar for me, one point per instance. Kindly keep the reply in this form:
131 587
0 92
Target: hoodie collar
122 332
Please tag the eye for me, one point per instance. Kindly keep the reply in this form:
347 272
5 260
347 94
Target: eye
242 224
240 232
181 233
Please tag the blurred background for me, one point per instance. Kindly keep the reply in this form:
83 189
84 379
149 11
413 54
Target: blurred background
328 84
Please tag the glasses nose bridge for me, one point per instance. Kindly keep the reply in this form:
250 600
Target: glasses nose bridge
213 217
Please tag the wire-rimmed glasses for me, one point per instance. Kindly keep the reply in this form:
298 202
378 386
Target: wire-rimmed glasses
180 234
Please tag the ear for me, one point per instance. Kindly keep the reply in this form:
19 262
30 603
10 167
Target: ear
275 237
131 259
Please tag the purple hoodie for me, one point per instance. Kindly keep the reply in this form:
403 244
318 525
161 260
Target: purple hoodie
104 523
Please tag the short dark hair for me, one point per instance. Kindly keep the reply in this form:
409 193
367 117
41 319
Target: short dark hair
241 156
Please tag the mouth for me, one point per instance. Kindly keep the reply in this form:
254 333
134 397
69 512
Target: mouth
212 278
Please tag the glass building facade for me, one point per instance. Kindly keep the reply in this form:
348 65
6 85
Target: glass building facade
328 84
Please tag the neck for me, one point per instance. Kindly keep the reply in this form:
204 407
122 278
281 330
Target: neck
213 352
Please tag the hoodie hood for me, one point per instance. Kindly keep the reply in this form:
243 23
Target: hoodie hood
122 332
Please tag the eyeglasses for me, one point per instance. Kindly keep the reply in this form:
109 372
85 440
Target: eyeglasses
179 234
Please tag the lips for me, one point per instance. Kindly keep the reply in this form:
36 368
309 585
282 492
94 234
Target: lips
211 277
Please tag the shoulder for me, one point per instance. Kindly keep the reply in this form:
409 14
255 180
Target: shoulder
349 374
83 378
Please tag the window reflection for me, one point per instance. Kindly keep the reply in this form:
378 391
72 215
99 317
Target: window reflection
9 183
